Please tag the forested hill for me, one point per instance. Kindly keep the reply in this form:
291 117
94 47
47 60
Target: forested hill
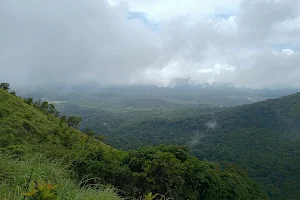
263 138
40 150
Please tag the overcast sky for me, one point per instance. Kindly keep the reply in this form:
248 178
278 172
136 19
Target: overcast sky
243 43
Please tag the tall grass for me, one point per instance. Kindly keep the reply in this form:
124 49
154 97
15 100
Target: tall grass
15 174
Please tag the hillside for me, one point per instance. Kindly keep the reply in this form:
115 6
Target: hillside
27 128
38 147
41 146
263 138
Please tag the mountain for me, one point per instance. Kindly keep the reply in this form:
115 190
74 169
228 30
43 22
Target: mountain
262 137
35 146
27 128
40 149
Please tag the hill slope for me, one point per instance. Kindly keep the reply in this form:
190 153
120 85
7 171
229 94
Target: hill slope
169 171
24 126
27 137
263 138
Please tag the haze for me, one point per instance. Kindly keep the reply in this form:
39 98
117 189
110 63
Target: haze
252 44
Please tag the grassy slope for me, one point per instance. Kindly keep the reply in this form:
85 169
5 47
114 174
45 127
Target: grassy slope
15 173
26 131
23 126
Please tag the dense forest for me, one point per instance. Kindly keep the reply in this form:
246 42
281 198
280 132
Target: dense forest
45 157
262 138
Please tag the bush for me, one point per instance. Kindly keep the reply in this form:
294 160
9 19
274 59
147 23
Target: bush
16 173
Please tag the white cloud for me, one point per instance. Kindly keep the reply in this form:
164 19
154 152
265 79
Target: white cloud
161 10
288 52
243 43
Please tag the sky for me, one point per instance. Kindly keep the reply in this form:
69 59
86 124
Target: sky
254 44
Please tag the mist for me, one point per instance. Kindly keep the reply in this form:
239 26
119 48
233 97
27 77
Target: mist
64 42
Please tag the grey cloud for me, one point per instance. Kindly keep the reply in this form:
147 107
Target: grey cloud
240 50
258 17
90 40
271 70
71 41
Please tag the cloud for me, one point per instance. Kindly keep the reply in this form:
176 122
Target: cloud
196 138
242 43
258 18
271 69
287 52
67 41
161 10
211 124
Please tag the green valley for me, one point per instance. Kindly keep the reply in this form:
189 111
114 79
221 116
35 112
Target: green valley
39 148
262 137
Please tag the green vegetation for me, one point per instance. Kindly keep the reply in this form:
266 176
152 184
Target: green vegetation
170 171
39 148
5 86
262 138
16 175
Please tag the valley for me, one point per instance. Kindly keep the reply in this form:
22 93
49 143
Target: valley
262 137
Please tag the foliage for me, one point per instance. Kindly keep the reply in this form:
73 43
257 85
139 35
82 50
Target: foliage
44 106
151 196
167 170
16 173
74 121
262 137
38 190
5 86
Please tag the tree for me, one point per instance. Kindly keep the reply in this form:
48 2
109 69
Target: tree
56 113
29 100
51 109
88 132
38 103
63 119
44 106
74 121
5 86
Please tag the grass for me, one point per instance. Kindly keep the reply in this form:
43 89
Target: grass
15 174
26 129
